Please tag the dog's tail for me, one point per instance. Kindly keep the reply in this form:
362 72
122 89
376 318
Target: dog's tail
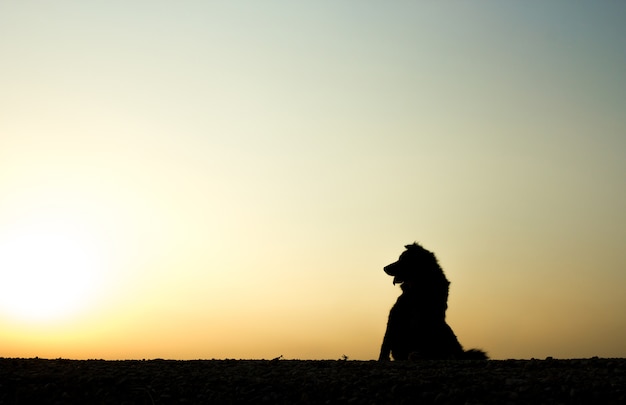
475 354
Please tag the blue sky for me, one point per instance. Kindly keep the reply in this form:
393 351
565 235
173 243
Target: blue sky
239 169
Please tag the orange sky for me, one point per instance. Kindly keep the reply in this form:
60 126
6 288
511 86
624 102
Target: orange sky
227 180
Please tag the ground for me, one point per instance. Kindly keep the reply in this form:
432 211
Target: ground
549 381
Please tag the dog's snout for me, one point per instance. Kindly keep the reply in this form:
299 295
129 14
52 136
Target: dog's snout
391 269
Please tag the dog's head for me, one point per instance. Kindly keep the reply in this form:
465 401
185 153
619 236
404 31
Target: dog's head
415 264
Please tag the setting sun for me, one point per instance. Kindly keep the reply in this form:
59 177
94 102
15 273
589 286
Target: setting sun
51 273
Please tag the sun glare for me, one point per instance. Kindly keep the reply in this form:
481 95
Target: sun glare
47 274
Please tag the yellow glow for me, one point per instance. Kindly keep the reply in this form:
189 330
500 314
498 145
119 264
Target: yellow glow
228 180
49 273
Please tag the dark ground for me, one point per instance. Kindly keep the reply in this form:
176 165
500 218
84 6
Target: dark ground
583 381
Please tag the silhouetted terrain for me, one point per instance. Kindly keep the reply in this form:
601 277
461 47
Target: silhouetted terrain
584 381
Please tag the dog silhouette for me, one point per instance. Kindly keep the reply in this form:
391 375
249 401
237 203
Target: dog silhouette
417 328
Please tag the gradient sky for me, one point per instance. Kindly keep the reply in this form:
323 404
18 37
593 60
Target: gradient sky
199 179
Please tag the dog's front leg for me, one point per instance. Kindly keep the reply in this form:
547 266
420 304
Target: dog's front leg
385 349
384 353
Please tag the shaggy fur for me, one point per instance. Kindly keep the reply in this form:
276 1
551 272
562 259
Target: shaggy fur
417 327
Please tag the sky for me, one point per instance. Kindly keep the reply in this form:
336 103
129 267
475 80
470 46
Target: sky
207 179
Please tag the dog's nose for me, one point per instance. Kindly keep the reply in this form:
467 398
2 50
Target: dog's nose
390 269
